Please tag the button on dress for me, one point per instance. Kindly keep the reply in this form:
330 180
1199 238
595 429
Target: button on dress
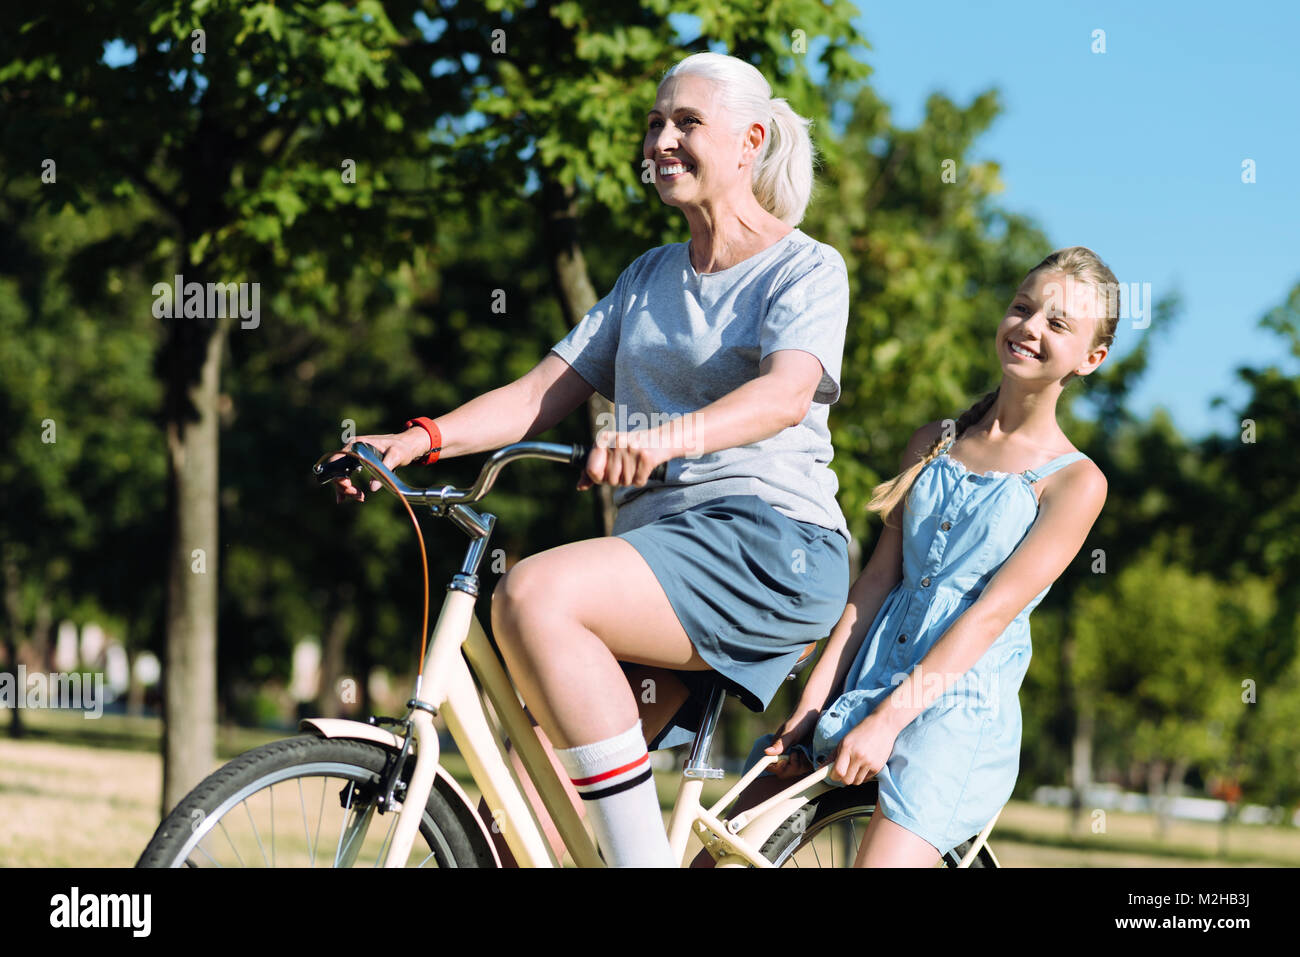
954 766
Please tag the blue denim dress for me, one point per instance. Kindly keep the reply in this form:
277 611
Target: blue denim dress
956 763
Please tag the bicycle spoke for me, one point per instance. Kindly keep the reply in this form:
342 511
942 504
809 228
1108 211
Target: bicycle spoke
271 795
222 825
319 817
387 837
199 847
311 848
256 836
343 825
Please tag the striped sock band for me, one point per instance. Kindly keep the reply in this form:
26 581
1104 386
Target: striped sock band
614 778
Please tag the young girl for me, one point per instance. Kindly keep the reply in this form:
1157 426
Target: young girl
993 508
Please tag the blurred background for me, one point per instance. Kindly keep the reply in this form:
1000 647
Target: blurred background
427 195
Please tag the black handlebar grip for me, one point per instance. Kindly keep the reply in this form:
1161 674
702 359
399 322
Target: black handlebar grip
581 451
337 469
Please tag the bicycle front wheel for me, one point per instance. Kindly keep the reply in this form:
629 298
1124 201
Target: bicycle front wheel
306 802
827 831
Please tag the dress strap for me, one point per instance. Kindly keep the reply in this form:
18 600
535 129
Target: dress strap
1060 462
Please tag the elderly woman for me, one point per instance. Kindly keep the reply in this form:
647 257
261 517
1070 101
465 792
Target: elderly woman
730 347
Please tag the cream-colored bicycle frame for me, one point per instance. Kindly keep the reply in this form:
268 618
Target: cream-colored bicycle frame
458 645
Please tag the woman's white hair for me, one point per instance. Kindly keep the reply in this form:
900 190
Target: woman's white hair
783 171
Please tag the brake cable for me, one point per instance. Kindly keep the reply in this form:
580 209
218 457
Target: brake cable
424 558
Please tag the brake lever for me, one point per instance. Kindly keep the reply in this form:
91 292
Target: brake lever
327 471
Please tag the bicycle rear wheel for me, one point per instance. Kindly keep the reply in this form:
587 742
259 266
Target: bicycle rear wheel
827 831
307 802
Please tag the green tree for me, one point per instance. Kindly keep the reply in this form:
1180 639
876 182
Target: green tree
1158 665
237 122
83 469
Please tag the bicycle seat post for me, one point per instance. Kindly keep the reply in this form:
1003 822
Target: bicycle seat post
697 764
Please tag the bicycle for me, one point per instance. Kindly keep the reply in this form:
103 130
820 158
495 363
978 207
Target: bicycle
402 776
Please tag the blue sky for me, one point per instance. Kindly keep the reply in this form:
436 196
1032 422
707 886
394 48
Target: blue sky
1136 152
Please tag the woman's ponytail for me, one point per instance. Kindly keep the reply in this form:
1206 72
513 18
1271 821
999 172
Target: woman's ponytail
783 178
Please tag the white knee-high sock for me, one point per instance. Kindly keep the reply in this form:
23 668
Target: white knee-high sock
614 778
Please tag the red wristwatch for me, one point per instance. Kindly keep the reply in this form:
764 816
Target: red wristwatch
435 439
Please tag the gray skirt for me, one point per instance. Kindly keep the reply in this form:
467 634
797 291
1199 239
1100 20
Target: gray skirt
751 588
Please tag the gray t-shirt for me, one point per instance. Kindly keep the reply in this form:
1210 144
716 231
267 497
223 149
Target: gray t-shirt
668 341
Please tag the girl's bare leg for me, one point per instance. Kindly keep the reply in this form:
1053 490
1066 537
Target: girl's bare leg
886 844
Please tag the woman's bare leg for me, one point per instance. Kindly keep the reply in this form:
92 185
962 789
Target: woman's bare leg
566 617
669 695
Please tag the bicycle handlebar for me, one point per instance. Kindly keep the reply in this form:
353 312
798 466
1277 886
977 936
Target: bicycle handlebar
439 498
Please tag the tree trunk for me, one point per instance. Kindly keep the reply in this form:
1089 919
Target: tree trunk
193 369
1173 790
1071 699
42 629
1155 791
1081 765
333 652
134 688
577 295
1177 775
14 625
365 661
16 727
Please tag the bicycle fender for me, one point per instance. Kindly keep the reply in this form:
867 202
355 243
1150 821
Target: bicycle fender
762 827
360 731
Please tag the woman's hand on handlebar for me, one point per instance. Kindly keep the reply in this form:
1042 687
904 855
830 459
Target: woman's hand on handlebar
397 449
797 728
623 458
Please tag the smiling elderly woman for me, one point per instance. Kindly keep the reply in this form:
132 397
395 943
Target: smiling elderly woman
725 570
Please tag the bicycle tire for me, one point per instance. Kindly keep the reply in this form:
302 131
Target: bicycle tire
799 835
450 839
